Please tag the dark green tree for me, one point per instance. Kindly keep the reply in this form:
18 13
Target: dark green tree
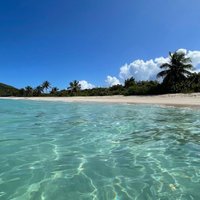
54 90
74 86
28 91
38 91
22 92
129 82
46 85
176 70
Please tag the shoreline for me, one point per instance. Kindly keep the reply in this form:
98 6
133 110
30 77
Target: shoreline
183 100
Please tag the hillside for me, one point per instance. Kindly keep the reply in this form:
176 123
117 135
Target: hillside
7 90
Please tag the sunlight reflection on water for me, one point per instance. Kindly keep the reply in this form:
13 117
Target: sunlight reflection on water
98 151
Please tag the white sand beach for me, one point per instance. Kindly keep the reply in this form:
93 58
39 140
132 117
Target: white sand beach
192 99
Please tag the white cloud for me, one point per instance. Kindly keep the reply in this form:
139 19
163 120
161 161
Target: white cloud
195 57
159 61
85 85
112 80
140 70
182 51
147 70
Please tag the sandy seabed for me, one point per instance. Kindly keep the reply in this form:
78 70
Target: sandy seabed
192 99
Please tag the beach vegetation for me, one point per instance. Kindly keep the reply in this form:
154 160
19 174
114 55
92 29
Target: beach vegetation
129 82
38 91
177 77
54 91
176 71
74 87
28 91
46 85
7 90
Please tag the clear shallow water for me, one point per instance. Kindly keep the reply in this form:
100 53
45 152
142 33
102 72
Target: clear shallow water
71 151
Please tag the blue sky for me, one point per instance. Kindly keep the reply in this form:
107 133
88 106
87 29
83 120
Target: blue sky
64 40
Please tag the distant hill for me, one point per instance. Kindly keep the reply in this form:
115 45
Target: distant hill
7 90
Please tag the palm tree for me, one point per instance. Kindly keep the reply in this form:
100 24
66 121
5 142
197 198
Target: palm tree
54 90
74 86
28 91
46 85
38 90
176 70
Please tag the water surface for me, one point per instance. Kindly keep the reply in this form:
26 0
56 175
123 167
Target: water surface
82 151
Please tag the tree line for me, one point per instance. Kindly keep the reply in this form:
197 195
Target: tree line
177 77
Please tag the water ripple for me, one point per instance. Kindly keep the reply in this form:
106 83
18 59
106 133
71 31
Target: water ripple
98 152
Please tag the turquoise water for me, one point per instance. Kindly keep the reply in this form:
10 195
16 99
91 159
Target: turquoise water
72 151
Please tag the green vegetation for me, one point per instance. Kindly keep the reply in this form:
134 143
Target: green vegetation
54 91
74 87
7 90
176 71
177 77
45 86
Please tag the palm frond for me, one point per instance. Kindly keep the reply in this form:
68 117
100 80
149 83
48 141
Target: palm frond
162 73
165 65
170 54
186 60
187 66
187 73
